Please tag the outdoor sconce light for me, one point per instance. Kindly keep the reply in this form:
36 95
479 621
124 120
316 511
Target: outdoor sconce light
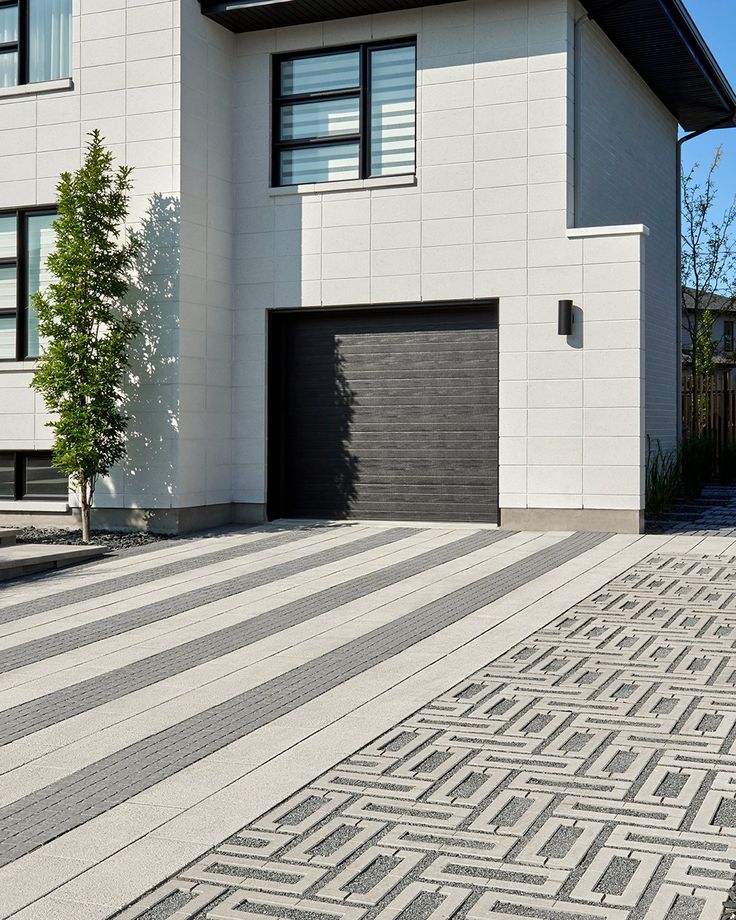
564 317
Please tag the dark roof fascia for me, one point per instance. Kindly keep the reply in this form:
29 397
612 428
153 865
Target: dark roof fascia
255 15
661 41
705 55
658 37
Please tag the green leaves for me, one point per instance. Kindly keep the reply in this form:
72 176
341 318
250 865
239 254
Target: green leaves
708 270
86 328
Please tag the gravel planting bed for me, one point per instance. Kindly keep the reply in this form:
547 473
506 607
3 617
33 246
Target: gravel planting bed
112 539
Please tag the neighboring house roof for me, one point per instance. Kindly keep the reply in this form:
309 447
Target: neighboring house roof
715 302
657 36
725 362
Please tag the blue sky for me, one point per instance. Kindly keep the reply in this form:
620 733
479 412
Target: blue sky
716 19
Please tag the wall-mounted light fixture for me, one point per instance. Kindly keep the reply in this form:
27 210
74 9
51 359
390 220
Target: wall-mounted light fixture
564 317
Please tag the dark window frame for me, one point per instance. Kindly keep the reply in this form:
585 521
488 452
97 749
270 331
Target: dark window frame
20 263
20 476
21 45
362 93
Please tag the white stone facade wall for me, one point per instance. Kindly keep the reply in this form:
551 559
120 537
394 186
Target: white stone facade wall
168 116
125 82
136 50
491 214
627 173
206 317
487 217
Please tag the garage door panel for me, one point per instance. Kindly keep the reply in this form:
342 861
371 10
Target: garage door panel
424 361
441 435
473 483
423 347
422 404
361 328
450 425
417 497
431 511
399 413
388 461
369 454
411 511
385 414
402 378
376 456
415 394
367 449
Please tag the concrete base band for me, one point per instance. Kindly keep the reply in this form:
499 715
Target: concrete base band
155 520
589 520
178 520
204 517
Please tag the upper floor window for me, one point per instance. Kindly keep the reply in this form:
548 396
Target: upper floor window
35 41
348 113
26 241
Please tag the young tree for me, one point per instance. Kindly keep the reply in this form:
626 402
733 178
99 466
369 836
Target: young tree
84 326
708 271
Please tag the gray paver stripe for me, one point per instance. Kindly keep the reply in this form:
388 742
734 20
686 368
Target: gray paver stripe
144 576
39 713
26 653
45 814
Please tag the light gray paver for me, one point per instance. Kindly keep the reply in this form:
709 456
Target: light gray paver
26 653
37 714
41 816
147 576
28 559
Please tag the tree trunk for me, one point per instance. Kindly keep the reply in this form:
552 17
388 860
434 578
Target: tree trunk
84 501
695 335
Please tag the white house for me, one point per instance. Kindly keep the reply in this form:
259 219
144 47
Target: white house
363 219
723 333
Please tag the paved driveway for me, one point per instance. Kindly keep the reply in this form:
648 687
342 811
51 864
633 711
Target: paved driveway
154 706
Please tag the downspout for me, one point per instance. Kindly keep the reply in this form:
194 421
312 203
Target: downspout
724 122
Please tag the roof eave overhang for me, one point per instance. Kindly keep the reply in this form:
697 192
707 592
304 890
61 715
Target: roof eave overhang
658 37
663 44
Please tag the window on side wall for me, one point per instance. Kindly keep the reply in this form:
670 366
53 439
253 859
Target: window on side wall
346 113
35 41
26 241
30 476
728 335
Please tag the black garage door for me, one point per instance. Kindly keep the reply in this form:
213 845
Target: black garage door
384 413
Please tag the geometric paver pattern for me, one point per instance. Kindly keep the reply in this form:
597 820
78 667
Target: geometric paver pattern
587 774
712 514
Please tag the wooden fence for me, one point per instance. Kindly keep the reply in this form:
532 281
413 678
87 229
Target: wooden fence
716 407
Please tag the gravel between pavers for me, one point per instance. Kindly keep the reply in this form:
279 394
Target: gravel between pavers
114 540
